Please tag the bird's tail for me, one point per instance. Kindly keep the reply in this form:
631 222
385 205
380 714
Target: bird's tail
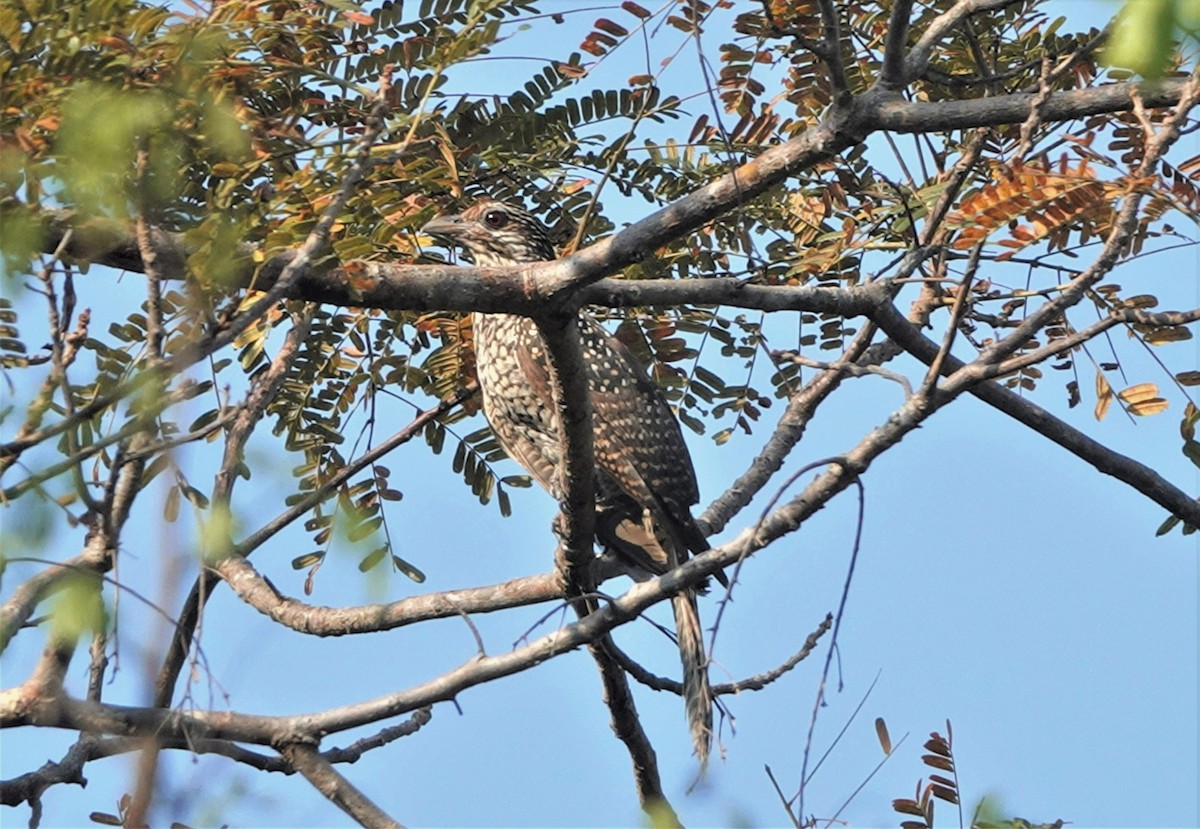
697 693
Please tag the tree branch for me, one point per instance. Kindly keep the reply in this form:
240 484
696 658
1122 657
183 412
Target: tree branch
1135 474
259 593
340 791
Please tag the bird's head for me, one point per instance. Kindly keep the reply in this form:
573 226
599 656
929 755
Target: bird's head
493 234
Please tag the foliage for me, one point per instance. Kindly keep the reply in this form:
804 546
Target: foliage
918 811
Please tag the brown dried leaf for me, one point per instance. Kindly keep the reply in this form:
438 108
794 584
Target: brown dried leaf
635 9
944 793
570 70
937 744
615 29
881 731
938 762
1173 334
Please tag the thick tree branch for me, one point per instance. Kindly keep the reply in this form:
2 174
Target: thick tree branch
577 476
905 116
526 289
574 557
892 75
627 725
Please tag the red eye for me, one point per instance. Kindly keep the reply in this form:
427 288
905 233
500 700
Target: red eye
495 219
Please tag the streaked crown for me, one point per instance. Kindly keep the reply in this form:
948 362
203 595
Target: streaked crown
493 233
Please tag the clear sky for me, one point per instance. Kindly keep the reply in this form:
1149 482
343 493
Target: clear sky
1002 584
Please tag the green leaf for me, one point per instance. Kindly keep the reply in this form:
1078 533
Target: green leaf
1142 37
372 559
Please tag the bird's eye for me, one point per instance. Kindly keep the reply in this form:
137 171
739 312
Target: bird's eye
495 219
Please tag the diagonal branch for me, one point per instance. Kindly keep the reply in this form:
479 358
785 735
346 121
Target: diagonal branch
1137 475
939 28
791 427
340 791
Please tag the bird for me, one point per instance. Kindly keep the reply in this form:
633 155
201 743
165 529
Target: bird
645 480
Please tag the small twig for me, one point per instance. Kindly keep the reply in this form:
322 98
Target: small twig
783 799
752 538
1036 109
846 368
753 683
351 753
956 314
838 738
837 625
867 780
466 617
831 50
760 681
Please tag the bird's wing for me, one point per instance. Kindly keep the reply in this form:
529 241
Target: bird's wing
639 445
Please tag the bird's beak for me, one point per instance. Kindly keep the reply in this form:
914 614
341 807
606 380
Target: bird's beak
445 227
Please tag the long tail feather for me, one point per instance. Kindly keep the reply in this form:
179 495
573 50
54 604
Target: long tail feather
697 693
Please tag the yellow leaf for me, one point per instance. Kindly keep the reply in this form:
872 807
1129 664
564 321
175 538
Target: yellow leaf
1104 396
1149 407
1139 393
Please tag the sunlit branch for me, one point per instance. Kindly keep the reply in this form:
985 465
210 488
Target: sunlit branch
252 588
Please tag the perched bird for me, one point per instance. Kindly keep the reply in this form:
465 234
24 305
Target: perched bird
645 482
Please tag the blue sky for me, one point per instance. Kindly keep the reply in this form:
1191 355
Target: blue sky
1002 584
